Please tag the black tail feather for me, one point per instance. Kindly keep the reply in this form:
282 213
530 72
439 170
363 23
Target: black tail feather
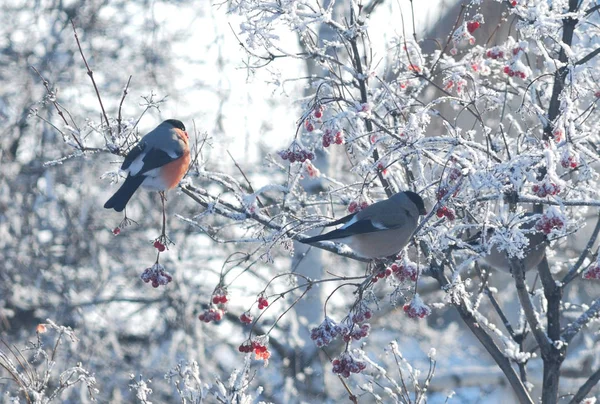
124 194
332 235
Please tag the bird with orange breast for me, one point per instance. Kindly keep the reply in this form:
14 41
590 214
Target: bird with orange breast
158 162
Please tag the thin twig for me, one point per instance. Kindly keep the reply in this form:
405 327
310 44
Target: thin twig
91 74
125 92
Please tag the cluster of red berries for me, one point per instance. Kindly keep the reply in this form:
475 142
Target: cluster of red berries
366 107
416 308
246 318
263 303
157 275
548 223
326 332
454 174
318 112
381 274
569 161
356 332
296 154
472 26
220 296
447 212
260 350
362 313
159 245
441 193
211 314
346 364
405 271
557 134
357 207
512 73
545 189
495 53
592 272
330 138
309 126
459 84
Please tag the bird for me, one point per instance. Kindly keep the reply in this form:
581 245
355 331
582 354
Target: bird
381 229
157 162
533 253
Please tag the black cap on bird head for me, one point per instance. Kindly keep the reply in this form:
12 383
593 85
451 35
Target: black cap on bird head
176 124
417 200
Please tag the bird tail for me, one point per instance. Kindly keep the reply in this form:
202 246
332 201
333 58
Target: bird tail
332 235
124 194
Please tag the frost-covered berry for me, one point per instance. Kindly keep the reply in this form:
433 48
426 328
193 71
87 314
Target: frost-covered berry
405 271
318 112
246 317
116 231
416 308
549 222
159 245
592 272
263 303
220 296
495 53
356 206
569 159
345 364
261 352
210 315
156 275
445 211
326 332
545 189
472 26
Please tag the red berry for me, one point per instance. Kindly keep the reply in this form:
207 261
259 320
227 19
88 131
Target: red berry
318 112
159 246
472 26
116 231
246 318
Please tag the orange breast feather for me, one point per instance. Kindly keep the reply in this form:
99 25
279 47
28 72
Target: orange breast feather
174 171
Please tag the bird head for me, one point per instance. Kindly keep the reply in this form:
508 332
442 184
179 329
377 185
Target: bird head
417 200
177 124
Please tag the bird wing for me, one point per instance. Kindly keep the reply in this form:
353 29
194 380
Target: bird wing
156 158
388 216
143 158
341 220
133 154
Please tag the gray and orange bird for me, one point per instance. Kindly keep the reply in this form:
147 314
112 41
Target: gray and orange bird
381 229
158 162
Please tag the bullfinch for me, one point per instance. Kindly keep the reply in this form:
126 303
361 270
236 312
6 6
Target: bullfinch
158 162
381 229
533 252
